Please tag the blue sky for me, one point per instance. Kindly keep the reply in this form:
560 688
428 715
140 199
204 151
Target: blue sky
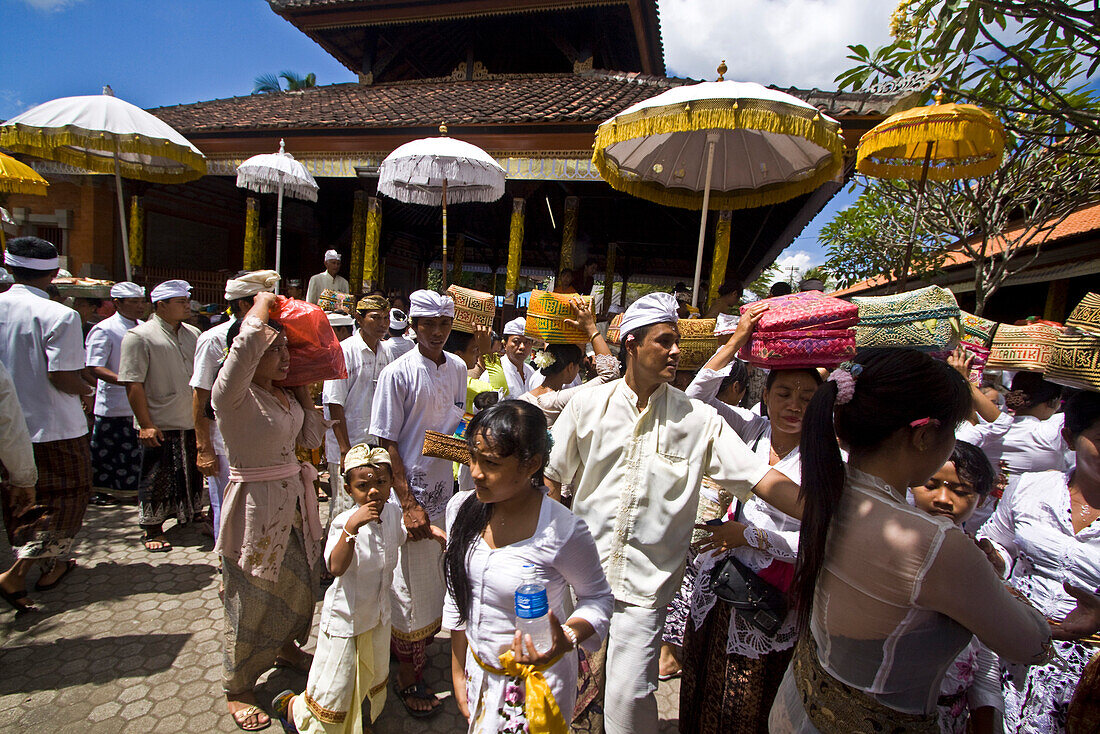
162 52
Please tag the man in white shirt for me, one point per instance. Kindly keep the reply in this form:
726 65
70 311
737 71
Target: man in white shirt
42 346
423 390
212 460
521 376
157 363
328 280
635 451
398 343
116 452
349 401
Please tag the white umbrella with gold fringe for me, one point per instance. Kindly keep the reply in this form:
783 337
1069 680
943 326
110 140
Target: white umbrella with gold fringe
719 145
105 134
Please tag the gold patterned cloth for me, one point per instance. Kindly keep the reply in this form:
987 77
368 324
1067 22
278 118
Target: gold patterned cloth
837 708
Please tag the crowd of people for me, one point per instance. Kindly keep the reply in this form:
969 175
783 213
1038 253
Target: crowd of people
884 546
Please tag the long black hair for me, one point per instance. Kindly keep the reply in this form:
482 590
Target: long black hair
894 387
511 428
1082 411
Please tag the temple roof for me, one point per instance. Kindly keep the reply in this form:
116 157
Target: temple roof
587 98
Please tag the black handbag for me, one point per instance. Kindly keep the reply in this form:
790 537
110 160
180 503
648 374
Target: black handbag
762 604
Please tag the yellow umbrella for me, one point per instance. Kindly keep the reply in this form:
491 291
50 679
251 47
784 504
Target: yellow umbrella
942 142
718 145
19 178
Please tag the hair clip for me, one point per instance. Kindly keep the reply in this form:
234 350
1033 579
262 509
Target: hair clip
934 422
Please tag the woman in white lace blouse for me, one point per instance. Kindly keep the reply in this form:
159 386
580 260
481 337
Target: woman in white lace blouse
1046 533
887 595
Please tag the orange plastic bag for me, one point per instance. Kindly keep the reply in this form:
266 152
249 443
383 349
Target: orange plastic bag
315 353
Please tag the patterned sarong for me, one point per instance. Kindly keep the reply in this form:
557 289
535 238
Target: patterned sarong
261 615
61 497
116 454
171 485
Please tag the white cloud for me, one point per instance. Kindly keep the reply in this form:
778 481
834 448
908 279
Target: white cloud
800 43
50 5
800 260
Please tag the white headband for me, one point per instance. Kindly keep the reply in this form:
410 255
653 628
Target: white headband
31 263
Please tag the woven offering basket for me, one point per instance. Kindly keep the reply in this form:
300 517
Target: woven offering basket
444 446
1075 361
331 300
1025 348
1086 317
472 308
546 318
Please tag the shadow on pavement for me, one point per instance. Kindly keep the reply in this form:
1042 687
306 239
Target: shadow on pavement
82 660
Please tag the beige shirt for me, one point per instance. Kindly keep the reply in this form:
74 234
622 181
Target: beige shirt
322 282
162 359
636 477
16 451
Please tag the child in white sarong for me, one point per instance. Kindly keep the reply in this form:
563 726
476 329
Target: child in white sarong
353 645
971 688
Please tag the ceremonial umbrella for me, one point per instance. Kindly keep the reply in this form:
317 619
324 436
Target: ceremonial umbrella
277 173
104 134
942 142
718 145
441 170
18 178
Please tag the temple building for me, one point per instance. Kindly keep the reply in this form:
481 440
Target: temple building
526 80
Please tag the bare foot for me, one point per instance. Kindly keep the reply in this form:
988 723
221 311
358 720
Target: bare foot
246 714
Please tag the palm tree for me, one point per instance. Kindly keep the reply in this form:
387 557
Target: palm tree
267 83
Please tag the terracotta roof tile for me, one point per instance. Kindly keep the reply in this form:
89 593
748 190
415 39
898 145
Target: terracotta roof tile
507 99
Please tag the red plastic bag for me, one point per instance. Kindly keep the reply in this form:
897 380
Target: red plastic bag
315 353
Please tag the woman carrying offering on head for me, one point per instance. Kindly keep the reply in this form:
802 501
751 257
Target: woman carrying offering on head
270 539
732 668
501 535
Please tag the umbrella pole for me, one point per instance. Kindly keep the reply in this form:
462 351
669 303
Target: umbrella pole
916 220
122 220
444 234
279 236
711 140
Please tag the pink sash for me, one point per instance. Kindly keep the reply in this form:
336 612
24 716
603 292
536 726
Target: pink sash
310 509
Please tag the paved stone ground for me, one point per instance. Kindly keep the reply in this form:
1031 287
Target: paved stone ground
131 642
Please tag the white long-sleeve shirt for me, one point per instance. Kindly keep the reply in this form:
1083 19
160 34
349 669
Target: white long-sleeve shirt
636 476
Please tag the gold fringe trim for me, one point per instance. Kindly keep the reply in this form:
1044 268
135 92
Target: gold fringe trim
515 246
417 635
896 148
62 145
720 115
327 716
358 240
722 229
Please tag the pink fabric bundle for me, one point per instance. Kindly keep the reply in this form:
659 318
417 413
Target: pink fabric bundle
803 330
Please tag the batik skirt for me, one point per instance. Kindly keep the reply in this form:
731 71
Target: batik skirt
116 454
171 485
46 532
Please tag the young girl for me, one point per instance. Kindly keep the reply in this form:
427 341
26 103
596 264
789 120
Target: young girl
353 644
503 524
971 688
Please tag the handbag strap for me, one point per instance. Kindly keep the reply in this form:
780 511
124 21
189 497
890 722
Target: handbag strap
740 504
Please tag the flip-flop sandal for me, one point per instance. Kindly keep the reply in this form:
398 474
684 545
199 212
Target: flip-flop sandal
416 690
164 547
69 566
242 716
280 706
14 598
670 676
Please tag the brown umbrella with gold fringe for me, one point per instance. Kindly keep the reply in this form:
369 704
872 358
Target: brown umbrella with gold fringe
941 142
19 178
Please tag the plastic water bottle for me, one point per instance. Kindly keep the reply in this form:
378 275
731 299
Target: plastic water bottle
533 610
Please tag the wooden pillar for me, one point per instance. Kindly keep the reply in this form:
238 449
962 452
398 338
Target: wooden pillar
721 255
137 232
569 233
372 237
1057 301
358 241
459 255
515 250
